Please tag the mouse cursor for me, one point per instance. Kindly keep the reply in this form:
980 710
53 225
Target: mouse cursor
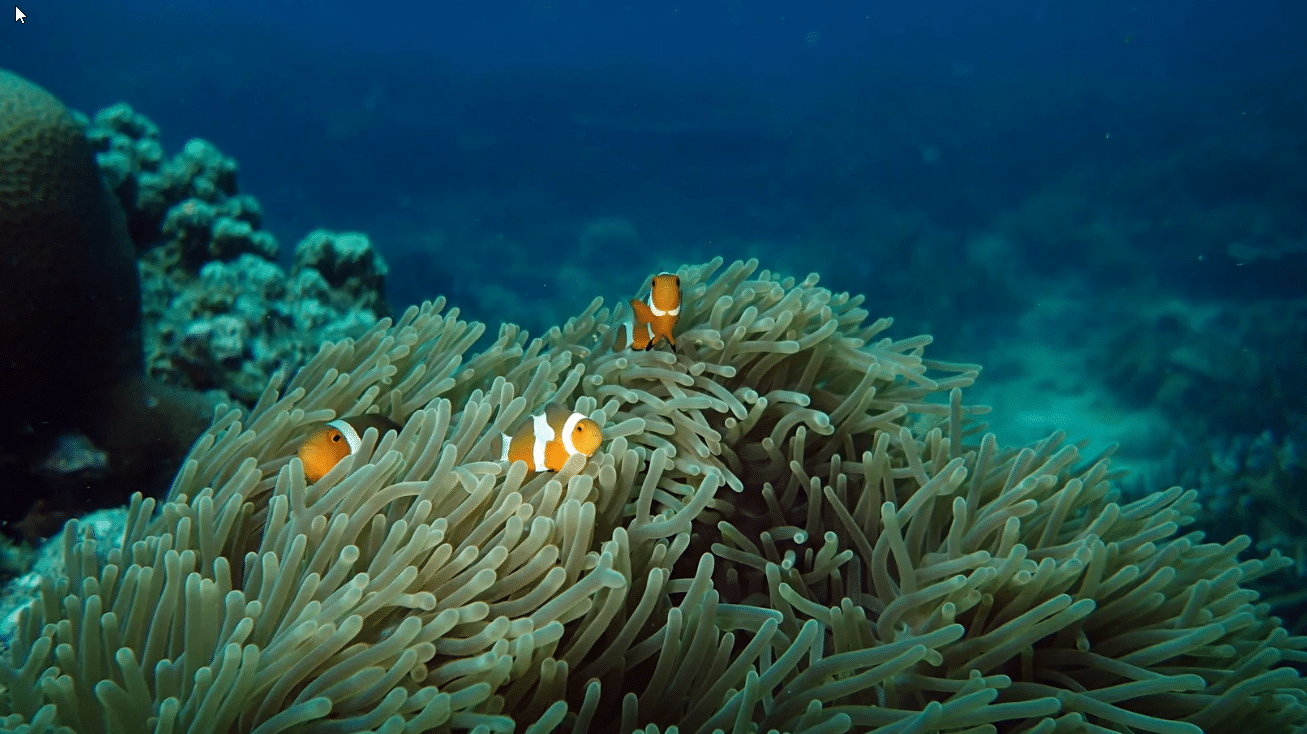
19 16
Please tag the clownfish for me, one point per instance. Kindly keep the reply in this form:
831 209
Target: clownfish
546 441
325 447
655 318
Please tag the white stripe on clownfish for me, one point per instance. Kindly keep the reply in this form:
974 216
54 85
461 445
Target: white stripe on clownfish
660 312
569 430
544 433
352 437
667 287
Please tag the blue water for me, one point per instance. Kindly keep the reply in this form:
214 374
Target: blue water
1063 191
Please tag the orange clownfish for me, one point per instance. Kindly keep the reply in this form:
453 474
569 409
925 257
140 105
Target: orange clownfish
655 318
546 441
325 447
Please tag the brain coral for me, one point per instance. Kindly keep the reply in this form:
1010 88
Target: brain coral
69 299
796 524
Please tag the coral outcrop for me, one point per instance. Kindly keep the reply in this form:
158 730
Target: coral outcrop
220 313
233 324
113 320
69 303
350 269
70 313
147 183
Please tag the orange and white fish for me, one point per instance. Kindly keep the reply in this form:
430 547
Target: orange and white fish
326 446
630 336
546 441
655 318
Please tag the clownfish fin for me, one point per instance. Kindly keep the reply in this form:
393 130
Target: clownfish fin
634 337
555 415
643 314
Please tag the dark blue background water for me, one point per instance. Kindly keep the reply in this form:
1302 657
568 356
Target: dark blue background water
475 142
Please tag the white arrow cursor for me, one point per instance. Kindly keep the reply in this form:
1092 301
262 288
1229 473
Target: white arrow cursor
19 16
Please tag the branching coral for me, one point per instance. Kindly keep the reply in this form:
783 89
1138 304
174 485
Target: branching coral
795 525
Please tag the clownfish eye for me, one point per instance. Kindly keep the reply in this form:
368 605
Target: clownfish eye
337 437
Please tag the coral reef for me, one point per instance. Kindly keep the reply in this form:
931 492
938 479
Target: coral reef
202 232
1229 373
131 158
352 271
1255 485
69 269
236 323
220 313
70 313
107 403
796 524
1222 367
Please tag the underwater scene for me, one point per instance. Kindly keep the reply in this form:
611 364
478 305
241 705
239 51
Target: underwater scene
572 366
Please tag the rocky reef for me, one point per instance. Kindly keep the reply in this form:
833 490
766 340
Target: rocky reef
142 291
220 312
1228 376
